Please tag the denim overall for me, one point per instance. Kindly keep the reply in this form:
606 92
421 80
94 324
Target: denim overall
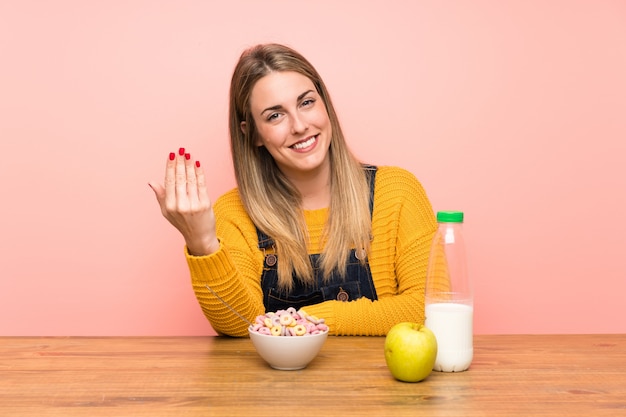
356 284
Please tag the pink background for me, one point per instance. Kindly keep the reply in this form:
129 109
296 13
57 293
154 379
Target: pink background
512 111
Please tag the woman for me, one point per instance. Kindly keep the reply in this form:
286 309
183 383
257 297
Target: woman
308 226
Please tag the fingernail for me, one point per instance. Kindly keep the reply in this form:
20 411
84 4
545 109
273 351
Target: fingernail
198 164
187 156
172 156
181 151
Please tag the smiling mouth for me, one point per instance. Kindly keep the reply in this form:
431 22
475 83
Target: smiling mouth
305 143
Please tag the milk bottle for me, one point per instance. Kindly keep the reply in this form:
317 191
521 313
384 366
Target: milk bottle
449 307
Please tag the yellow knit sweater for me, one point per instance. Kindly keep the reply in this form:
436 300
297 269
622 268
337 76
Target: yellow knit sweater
403 225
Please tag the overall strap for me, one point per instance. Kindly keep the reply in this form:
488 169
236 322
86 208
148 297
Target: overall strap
370 171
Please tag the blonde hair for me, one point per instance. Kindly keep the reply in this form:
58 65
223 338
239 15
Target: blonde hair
271 200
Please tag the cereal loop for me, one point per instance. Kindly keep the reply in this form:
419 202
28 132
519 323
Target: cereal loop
288 323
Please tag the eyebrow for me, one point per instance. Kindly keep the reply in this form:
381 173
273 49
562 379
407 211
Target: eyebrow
278 106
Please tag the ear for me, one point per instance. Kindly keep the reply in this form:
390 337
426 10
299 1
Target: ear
244 129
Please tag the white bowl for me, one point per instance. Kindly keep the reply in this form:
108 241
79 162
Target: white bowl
288 353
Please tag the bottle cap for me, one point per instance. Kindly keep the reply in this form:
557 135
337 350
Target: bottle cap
450 216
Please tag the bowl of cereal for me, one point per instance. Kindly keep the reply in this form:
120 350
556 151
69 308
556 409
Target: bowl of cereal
288 339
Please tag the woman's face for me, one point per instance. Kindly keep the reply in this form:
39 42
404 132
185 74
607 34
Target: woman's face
292 122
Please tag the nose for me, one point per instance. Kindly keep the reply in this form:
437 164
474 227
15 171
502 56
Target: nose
298 123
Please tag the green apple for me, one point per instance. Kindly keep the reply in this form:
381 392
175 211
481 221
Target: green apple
410 351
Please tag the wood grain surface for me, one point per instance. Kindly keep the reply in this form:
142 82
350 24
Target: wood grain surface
511 375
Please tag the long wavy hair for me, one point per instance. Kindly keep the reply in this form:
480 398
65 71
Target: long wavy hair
271 200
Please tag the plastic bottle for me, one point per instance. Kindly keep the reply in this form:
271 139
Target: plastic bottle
449 301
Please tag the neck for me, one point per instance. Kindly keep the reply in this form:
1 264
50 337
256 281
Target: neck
314 188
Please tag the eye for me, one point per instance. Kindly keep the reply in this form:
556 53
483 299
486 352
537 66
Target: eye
307 102
273 116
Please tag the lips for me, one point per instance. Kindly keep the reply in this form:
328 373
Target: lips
305 143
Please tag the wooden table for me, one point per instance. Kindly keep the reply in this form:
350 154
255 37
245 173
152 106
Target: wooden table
516 375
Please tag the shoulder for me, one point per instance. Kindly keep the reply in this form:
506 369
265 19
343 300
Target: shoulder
229 197
232 220
397 186
399 195
229 204
392 177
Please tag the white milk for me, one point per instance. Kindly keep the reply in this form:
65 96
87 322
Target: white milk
452 324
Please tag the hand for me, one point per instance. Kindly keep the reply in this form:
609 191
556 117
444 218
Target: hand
186 205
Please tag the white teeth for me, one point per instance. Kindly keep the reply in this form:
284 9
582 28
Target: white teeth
302 145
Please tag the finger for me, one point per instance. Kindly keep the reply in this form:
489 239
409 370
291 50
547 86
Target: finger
203 195
192 188
169 200
181 180
159 191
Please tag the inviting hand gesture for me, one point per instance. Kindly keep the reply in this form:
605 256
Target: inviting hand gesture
185 203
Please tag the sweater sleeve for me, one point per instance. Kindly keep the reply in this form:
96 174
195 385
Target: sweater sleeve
232 272
403 226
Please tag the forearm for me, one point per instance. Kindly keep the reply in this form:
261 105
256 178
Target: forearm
364 317
239 289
